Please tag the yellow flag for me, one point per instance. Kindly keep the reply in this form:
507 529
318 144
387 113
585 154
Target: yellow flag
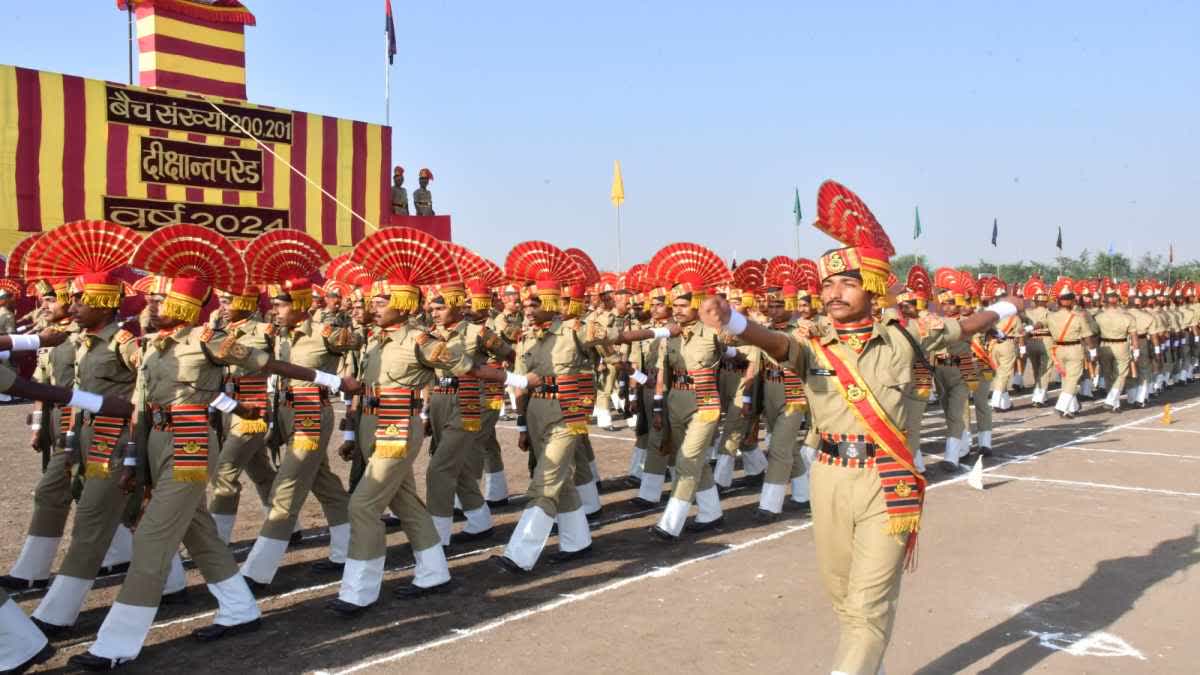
618 188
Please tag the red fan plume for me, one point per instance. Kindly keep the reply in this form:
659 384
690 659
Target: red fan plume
16 258
966 282
14 287
810 279
346 271
843 216
279 255
919 283
946 278
183 250
539 260
1063 284
406 255
590 273
781 271
81 247
608 282
749 276
691 264
635 278
473 266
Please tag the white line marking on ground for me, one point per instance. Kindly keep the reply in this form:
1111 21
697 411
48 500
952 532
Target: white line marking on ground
1174 431
652 573
1091 644
1106 486
1134 452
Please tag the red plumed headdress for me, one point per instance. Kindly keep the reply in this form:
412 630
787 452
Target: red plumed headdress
195 260
405 259
843 216
690 269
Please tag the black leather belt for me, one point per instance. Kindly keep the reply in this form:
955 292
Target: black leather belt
1071 343
1113 340
946 360
848 449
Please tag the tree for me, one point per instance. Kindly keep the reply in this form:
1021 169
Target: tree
902 264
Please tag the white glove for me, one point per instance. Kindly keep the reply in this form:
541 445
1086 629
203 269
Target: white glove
1022 350
1092 354
639 377
328 380
223 403
1137 353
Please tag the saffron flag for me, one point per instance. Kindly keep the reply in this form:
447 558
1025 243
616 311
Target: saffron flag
995 231
618 187
917 225
796 208
390 28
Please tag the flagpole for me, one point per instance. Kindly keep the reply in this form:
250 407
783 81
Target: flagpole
129 6
387 79
619 265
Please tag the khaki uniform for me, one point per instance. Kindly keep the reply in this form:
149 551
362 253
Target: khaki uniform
8 324
980 396
107 364
455 414
691 360
1069 328
397 365
508 327
1146 326
180 374
423 202
786 410
860 561
53 494
607 361
245 447
1005 352
306 419
556 419
733 387
1038 348
646 356
954 395
1118 329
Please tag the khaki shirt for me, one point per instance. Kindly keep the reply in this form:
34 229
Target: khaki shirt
507 326
697 347
1116 324
423 202
1068 325
401 356
185 365
313 345
562 348
107 361
885 365
463 348
8 377
252 333
56 365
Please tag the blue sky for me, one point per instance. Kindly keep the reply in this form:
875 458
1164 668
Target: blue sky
1077 114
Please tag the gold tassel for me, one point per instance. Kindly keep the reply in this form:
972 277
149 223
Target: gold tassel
874 283
391 449
899 525
495 404
248 427
182 311
575 308
96 470
697 300
305 443
791 408
577 428
190 475
470 425
102 300
708 415
405 301
550 301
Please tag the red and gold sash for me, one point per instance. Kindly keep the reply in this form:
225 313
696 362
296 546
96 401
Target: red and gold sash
106 431
922 380
307 404
395 413
708 399
903 486
493 392
251 392
189 429
469 402
576 396
66 416
966 368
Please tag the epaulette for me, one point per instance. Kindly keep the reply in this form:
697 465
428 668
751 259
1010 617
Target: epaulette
424 337
124 336
270 331
207 334
931 322
230 347
326 330
596 330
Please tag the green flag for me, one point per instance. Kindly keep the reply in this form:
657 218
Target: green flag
917 224
796 208
1058 242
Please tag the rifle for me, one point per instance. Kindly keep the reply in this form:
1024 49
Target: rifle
275 437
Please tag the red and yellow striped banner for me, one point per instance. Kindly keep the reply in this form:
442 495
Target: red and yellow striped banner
63 158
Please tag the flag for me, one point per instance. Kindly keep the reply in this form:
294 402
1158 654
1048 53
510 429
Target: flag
1058 243
1112 249
1171 254
618 187
390 28
917 225
995 231
796 208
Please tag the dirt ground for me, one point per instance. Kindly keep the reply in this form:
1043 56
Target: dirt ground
1076 558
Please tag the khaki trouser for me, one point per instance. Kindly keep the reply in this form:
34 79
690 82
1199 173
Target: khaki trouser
916 415
1005 355
388 483
1070 358
657 456
606 384
52 498
690 440
1114 363
1041 366
861 564
733 428
953 396
552 487
493 458
783 451
100 508
982 400
301 471
241 453
448 473
1145 362
176 513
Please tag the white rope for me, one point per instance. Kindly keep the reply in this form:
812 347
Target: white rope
289 165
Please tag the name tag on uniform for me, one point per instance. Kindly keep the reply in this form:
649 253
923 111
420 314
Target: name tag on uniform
824 372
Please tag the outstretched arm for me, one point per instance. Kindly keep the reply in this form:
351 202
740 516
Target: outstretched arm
716 313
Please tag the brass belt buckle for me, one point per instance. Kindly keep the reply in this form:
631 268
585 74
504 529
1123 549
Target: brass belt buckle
852 451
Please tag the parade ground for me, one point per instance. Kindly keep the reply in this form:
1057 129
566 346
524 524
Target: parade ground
1079 556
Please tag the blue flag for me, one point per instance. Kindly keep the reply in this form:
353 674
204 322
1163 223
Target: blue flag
390 27
995 231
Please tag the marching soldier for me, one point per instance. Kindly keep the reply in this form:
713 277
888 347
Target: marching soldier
245 446
1118 345
507 324
1040 344
1007 348
648 359
1143 356
1072 334
953 392
866 494
306 413
180 381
